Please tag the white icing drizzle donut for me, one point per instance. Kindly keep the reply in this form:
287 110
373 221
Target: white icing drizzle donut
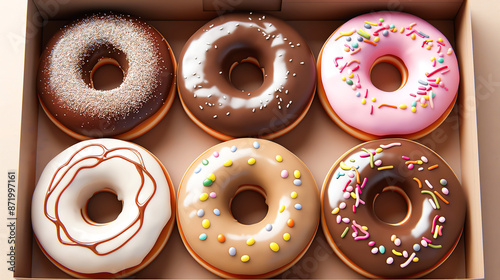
84 248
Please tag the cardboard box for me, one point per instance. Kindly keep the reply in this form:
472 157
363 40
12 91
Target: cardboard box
177 141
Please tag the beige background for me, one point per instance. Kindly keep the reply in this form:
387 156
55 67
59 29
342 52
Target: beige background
485 26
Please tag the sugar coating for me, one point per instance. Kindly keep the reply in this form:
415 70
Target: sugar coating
122 34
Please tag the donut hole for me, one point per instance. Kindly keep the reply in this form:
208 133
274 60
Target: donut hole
246 75
392 206
103 207
388 73
106 74
249 206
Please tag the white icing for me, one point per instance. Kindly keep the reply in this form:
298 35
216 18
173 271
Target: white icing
128 247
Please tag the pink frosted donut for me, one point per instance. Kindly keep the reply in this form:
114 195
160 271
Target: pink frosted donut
422 54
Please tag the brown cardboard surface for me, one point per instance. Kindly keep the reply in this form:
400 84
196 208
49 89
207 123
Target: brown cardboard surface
177 141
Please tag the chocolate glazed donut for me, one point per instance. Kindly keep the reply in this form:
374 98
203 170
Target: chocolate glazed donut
215 104
67 65
375 244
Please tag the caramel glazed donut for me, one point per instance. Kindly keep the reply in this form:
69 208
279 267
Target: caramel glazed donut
231 249
84 248
67 65
423 239
226 112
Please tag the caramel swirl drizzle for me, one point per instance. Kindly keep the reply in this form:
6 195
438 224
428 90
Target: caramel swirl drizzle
58 186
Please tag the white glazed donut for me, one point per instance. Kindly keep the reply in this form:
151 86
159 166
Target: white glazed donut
84 248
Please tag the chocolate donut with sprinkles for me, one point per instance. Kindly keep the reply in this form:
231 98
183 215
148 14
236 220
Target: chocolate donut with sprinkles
66 88
225 111
231 249
421 53
377 246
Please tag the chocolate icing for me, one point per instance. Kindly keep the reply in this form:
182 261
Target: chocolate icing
357 251
64 77
204 75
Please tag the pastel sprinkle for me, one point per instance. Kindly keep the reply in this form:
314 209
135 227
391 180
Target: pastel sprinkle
389 260
202 237
204 196
282 208
381 249
399 254
245 258
232 251
298 206
269 227
296 174
200 213
286 236
250 242
204 161
297 182
393 237
416 247
424 159
233 149
290 223
197 170
207 182
221 238
205 223
442 219
445 191
342 205
345 232
213 195
443 182
279 158
216 154
293 195
284 174
217 212
228 163
432 167
251 161
256 145
374 250
385 167
274 246
397 242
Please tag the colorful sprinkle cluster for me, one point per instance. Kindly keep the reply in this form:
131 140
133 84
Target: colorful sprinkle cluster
209 182
353 189
424 92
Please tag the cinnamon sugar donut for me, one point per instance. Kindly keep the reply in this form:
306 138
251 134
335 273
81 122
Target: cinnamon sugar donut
407 246
84 248
65 87
260 250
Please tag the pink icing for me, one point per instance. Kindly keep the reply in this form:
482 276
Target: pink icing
427 74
